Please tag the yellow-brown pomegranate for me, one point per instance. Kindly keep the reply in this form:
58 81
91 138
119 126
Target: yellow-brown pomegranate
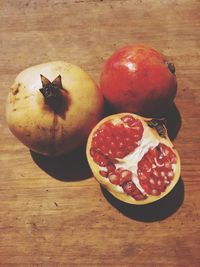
133 158
52 107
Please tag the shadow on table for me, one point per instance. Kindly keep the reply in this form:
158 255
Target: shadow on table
173 121
71 167
156 211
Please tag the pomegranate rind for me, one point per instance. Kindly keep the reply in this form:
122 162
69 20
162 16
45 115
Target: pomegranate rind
114 189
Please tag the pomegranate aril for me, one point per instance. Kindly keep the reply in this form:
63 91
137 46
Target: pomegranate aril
169 153
114 179
139 197
167 165
111 168
137 137
160 185
146 186
131 148
92 151
100 159
155 192
108 139
117 139
120 154
103 173
112 145
159 162
142 175
94 143
104 149
136 192
129 187
145 165
125 176
128 120
155 173
121 145
153 153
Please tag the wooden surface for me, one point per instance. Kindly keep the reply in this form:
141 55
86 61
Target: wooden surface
54 213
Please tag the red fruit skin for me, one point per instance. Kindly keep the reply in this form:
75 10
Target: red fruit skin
137 79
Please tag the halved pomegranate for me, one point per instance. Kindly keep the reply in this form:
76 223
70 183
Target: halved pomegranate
133 158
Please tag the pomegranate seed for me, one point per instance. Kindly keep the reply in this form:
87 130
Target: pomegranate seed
125 176
155 173
128 120
170 174
121 144
129 187
161 185
137 137
103 173
111 168
146 187
151 181
114 179
92 151
118 171
139 197
104 149
145 165
131 148
97 157
94 143
142 175
136 192
162 173
120 154
155 192
112 145
153 153
117 138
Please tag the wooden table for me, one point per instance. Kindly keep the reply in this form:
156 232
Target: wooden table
54 213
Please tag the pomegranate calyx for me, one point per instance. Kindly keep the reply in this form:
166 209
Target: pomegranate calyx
51 91
159 125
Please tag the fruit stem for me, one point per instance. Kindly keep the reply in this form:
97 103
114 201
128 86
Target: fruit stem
171 67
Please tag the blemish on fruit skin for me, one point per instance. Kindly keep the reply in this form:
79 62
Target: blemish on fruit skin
15 88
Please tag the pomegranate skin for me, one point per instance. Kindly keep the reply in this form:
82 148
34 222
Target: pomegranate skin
112 182
138 79
46 129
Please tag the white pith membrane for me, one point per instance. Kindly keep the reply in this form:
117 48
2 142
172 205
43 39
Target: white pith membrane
130 162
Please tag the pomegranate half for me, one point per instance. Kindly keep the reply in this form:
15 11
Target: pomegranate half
133 158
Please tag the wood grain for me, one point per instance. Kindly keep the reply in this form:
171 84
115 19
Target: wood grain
53 213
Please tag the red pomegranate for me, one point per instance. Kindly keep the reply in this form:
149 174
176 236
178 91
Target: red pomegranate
133 158
139 79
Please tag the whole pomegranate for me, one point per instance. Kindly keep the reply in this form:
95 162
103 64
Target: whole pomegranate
52 107
133 158
139 79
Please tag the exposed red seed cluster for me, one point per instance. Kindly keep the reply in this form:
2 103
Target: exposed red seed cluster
118 140
113 141
155 169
